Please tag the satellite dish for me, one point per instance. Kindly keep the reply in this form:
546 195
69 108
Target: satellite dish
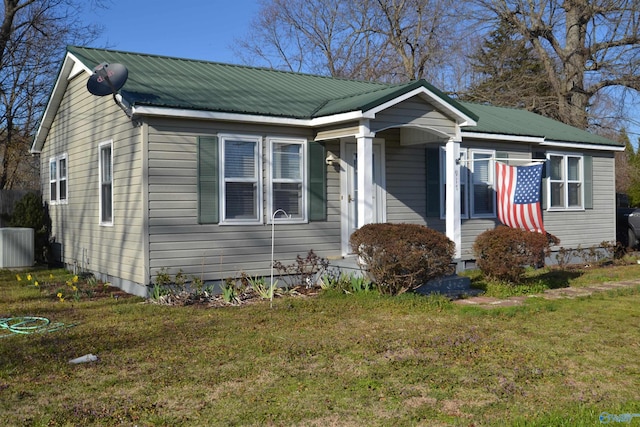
107 79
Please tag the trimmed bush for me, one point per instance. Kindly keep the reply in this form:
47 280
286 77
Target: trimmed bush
402 257
504 252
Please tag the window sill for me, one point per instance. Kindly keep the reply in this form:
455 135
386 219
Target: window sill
578 209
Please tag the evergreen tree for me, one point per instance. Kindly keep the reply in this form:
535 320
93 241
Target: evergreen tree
508 73
628 171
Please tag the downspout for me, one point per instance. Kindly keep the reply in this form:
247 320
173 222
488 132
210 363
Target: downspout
144 153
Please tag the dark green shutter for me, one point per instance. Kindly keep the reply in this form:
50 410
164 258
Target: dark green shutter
208 180
432 164
317 182
541 156
588 182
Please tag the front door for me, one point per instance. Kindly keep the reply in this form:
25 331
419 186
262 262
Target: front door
350 204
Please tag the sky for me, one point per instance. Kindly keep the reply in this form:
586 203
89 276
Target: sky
194 29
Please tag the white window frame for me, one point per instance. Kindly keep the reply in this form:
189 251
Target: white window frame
101 147
464 183
491 183
57 179
282 218
256 179
565 182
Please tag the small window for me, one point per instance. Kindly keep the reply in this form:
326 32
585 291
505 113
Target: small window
481 167
58 179
105 171
287 180
566 182
241 183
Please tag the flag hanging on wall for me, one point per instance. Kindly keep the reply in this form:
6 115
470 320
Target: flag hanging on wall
518 194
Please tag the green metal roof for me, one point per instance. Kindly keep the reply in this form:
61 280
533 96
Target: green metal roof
162 81
200 85
511 121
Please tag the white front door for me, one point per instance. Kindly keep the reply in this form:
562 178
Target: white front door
350 190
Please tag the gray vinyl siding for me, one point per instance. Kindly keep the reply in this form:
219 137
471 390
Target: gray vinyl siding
214 251
589 227
585 228
413 112
405 177
83 121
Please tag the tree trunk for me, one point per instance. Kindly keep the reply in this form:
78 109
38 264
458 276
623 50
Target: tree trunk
574 99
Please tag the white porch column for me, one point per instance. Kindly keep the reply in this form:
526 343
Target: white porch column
365 174
452 208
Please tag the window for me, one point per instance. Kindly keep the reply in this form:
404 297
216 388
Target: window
566 179
58 179
477 193
105 170
464 178
483 200
241 184
287 180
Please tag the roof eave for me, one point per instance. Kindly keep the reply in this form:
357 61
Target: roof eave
245 118
583 145
541 141
462 116
71 66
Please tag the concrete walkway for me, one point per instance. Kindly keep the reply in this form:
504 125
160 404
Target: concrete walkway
551 294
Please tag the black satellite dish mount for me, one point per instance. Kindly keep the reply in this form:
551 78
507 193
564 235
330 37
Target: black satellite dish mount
108 79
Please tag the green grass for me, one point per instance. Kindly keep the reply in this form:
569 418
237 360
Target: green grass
336 359
537 281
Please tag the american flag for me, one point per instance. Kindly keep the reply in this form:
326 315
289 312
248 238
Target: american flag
518 191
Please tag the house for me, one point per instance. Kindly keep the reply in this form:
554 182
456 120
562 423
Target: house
193 163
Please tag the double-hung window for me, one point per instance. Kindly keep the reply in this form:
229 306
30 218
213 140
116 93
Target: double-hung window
241 187
481 170
58 179
566 178
105 170
287 180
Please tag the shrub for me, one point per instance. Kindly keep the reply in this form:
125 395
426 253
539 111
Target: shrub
303 272
402 257
30 212
504 252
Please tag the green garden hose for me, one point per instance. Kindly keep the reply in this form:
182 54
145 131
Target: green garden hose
28 325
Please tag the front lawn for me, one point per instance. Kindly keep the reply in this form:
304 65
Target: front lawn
332 359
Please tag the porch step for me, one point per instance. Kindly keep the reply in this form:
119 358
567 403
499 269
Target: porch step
453 286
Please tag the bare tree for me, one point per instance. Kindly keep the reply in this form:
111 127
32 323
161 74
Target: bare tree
390 40
586 46
507 72
33 36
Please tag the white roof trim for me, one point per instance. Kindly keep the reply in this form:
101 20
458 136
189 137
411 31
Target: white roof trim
502 137
583 146
463 119
69 69
318 121
250 118
541 141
